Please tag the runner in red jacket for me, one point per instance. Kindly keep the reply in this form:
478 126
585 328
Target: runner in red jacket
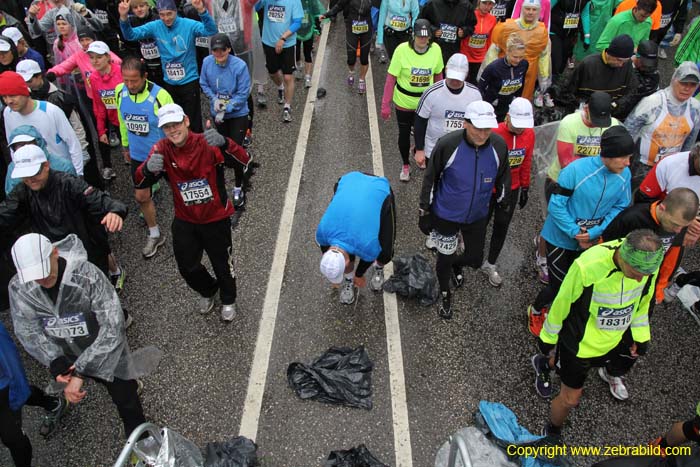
194 165
519 136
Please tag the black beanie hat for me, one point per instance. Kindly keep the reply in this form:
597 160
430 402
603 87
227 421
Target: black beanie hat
621 46
616 142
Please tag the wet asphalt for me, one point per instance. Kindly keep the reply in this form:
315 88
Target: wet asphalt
483 353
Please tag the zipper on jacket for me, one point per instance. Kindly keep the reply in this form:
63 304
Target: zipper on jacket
602 193
476 165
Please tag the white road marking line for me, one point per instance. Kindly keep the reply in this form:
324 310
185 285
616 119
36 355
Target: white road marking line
399 408
261 359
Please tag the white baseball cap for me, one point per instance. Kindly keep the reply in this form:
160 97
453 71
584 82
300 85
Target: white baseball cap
457 67
22 138
28 68
170 113
98 47
5 45
520 111
31 254
13 33
28 160
481 114
333 266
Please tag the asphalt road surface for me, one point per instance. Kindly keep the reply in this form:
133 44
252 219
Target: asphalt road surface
217 380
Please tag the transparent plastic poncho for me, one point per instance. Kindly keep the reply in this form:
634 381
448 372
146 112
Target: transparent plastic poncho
85 324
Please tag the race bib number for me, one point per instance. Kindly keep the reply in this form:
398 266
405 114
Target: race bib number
477 41
195 191
398 22
588 223
202 41
449 32
445 244
571 21
666 19
149 50
516 157
275 13
137 124
175 71
109 99
102 16
499 10
614 319
453 120
227 25
420 77
66 326
360 26
510 86
587 146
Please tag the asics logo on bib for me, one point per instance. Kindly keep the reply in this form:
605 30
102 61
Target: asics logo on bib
604 312
193 184
136 118
50 322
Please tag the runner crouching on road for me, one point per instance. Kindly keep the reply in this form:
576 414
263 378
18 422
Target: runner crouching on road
359 221
194 165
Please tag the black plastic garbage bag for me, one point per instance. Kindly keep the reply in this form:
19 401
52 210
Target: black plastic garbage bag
339 376
353 457
414 277
238 452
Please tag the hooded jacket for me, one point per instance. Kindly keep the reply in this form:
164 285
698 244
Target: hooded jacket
81 60
84 326
46 26
104 98
449 16
65 47
59 164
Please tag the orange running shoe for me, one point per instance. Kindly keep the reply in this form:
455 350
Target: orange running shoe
535 321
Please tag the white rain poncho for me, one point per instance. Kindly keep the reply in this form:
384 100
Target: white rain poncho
86 324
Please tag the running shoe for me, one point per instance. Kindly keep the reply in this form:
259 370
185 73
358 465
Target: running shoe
617 384
490 271
458 278
114 140
542 270
347 292
351 80
445 306
238 198
261 100
671 292
571 63
307 82
206 304
53 418
248 138
108 173
152 245
118 279
280 96
543 377
662 53
382 55
377 280
361 87
228 312
535 321
405 175
539 100
287 115
548 101
298 73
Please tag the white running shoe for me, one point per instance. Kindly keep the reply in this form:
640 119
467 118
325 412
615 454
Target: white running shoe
617 385
491 272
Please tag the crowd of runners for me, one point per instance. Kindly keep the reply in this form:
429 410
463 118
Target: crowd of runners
465 83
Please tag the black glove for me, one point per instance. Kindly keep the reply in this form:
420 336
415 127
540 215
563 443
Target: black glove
51 76
523 197
642 348
425 222
60 366
544 347
586 46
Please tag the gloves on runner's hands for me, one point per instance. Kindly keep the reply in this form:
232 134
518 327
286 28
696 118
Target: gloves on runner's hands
219 105
676 40
523 197
544 347
214 138
51 76
155 163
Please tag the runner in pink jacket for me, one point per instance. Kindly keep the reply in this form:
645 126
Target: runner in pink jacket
103 81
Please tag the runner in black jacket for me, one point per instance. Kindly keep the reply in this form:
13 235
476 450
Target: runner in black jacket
452 21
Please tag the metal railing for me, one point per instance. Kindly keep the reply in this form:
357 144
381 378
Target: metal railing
153 430
457 446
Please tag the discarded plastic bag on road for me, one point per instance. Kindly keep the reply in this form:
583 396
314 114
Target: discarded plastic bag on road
482 451
353 457
340 376
238 452
413 277
177 451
